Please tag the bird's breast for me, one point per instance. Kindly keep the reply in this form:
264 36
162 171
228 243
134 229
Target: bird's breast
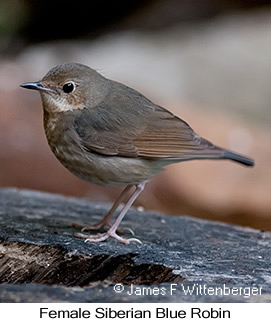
90 166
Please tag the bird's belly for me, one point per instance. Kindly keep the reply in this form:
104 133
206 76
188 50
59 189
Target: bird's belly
107 170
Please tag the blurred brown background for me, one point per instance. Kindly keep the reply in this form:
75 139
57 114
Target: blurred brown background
207 61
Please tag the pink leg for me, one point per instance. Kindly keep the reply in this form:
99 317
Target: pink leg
112 230
105 221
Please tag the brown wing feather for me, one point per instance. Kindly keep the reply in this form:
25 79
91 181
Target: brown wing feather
167 136
127 124
102 131
164 136
159 134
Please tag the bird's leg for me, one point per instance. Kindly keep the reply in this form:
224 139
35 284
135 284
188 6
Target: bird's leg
112 230
105 221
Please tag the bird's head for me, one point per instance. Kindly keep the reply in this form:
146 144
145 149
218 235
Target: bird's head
69 87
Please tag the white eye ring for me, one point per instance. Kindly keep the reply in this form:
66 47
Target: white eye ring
69 87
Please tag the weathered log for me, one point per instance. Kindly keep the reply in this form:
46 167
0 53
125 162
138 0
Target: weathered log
42 261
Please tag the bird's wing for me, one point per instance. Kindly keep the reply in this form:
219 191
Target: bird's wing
167 136
151 132
103 132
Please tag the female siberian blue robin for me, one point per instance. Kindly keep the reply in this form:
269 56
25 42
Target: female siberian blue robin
106 133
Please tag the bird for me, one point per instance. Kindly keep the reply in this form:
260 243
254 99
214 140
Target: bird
109 134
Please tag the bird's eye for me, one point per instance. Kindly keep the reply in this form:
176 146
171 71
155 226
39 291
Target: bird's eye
68 87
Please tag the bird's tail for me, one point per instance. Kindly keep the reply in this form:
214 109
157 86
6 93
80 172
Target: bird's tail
214 153
238 158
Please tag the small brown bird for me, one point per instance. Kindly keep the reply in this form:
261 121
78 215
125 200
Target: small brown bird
109 134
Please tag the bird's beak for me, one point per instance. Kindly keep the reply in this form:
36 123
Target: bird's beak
36 86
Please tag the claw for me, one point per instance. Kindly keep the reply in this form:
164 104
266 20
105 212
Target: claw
129 230
123 229
104 236
86 227
134 240
98 226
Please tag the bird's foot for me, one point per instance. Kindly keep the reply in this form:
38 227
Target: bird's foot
92 227
98 226
104 236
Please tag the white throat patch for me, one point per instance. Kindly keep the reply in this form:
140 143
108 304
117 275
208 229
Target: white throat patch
57 104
